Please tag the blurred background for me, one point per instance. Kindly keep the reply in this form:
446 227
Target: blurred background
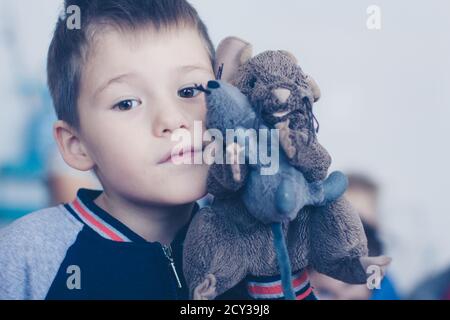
384 115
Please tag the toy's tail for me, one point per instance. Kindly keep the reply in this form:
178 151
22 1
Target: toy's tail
284 262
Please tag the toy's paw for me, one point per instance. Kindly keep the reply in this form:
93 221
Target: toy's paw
382 262
234 151
334 186
207 289
285 138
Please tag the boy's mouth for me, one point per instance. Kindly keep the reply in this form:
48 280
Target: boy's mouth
189 153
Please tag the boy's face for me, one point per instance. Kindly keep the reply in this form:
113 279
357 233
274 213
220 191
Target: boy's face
134 93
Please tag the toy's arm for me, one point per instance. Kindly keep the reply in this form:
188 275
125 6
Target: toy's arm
226 179
221 183
213 261
312 159
338 242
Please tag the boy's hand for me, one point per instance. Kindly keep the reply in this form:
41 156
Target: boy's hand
381 261
207 289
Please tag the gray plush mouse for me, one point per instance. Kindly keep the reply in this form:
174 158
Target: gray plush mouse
232 239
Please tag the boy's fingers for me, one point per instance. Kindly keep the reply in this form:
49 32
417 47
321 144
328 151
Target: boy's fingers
212 280
381 261
207 289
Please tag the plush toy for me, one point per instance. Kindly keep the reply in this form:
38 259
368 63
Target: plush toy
234 237
284 191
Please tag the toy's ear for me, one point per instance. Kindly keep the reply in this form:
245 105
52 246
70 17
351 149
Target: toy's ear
309 80
314 88
232 52
289 55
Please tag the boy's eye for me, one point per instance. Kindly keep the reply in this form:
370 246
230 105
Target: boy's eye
128 104
189 92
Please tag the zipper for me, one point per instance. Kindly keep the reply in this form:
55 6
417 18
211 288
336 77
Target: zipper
168 253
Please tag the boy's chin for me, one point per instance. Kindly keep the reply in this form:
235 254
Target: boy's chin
182 191
183 196
170 188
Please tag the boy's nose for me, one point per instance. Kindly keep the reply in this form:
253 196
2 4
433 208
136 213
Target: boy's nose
168 118
213 85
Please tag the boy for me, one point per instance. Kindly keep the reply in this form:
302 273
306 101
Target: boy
121 85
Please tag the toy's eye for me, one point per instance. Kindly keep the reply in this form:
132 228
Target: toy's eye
252 82
189 92
126 105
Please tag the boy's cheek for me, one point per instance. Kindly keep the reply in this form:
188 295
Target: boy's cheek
199 114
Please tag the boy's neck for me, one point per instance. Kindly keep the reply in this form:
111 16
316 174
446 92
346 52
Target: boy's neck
153 223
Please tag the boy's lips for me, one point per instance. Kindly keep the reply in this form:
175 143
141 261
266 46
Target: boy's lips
187 152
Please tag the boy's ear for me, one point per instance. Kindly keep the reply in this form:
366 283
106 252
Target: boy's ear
232 52
71 147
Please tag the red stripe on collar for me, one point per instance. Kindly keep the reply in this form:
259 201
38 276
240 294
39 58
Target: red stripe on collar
96 223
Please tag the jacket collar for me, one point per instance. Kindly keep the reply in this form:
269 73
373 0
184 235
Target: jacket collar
87 212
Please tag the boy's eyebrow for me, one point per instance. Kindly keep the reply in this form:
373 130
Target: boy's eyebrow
193 67
118 78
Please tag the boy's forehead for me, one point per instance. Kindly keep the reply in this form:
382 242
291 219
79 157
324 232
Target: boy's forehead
145 53
177 47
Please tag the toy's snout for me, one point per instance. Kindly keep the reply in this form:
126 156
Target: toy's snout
282 94
213 85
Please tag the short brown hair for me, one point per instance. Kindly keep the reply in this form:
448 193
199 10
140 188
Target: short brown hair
66 54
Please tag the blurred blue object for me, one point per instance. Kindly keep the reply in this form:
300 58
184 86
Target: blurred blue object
434 287
23 183
386 292
38 142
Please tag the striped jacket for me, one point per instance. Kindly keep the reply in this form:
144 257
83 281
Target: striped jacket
79 251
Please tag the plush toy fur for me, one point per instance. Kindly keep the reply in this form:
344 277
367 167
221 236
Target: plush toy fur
226 242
